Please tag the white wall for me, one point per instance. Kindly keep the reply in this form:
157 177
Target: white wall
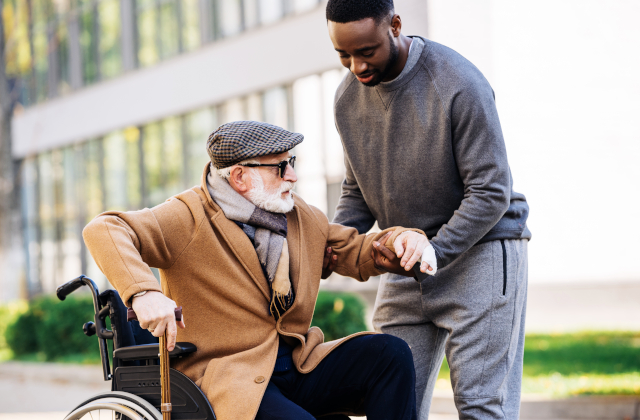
566 78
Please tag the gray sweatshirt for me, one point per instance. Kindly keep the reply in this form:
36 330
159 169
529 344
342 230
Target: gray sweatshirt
426 151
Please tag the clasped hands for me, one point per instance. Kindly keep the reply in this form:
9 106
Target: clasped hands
409 248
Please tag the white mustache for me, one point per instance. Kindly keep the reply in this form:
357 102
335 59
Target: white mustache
286 187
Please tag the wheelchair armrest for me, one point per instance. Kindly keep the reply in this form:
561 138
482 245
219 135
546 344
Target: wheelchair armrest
150 351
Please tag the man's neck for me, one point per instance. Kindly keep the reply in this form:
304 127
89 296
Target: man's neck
403 54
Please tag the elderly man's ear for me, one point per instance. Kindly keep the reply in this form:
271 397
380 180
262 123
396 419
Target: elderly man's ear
239 179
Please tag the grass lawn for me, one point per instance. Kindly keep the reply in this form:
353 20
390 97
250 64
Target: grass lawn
590 363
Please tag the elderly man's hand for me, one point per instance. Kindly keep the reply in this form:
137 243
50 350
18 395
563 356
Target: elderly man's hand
155 313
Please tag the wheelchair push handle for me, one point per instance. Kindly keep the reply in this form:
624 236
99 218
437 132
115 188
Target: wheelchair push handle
131 314
71 286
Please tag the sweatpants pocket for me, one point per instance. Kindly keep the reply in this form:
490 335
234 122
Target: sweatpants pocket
504 267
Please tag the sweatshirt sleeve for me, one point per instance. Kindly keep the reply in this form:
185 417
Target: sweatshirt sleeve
352 210
481 158
125 244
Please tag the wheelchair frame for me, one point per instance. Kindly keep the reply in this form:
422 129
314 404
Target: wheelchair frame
135 379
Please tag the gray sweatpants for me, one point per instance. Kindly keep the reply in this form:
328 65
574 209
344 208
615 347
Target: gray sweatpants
474 311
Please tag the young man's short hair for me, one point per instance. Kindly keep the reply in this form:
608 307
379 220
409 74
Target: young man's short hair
343 11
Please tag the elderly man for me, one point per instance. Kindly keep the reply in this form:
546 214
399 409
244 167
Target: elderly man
243 255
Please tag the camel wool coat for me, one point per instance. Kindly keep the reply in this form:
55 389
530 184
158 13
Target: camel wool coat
209 266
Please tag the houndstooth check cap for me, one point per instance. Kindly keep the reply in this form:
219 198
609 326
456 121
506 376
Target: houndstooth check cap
236 141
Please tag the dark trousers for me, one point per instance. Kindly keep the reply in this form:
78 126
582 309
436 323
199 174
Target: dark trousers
370 375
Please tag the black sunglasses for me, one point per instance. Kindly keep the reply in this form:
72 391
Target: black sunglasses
282 166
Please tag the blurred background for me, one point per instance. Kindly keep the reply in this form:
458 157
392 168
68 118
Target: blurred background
107 104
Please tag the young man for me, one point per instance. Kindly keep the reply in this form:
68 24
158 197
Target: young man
243 255
424 149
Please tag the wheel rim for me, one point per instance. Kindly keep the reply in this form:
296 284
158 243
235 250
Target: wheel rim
111 408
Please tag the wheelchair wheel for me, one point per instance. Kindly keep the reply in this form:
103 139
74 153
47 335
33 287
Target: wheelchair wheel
115 405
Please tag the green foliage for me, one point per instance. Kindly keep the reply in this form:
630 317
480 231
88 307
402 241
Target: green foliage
52 328
586 363
582 353
339 314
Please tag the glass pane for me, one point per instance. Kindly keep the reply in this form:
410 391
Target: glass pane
199 125
92 194
168 30
271 11
300 6
18 51
89 42
334 162
153 156
190 24
148 52
115 176
93 186
40 49
133 169
232 110
109 17
47 221
61 42
254 107
230 17
172 156
29 195
307 100
251 17
275 107
71 229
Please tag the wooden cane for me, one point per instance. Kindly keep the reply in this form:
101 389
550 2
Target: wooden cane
165 380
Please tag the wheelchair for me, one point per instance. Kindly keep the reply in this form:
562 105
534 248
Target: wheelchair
135 377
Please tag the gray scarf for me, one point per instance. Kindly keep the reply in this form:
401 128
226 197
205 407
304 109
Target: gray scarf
268 232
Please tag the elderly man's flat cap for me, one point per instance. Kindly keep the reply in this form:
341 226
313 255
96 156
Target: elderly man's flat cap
236 141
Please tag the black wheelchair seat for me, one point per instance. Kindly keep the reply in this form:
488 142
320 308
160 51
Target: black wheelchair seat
150 351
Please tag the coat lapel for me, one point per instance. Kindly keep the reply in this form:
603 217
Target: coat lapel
294 240
242 249
237 240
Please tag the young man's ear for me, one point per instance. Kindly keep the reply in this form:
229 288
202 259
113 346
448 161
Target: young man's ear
396 25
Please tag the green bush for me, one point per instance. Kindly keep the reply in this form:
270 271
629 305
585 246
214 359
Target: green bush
8 315
52 328
339 314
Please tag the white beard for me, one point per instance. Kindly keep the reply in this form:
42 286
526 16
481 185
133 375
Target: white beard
270 200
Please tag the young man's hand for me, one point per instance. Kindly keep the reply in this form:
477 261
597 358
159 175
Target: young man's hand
409 244
155 313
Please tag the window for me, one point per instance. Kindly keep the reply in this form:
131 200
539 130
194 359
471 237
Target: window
307 97
109 41
199 125
230 21
270 11
275 107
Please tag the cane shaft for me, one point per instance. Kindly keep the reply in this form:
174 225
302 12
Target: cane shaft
165 390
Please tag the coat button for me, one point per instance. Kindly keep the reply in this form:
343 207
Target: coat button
259 379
